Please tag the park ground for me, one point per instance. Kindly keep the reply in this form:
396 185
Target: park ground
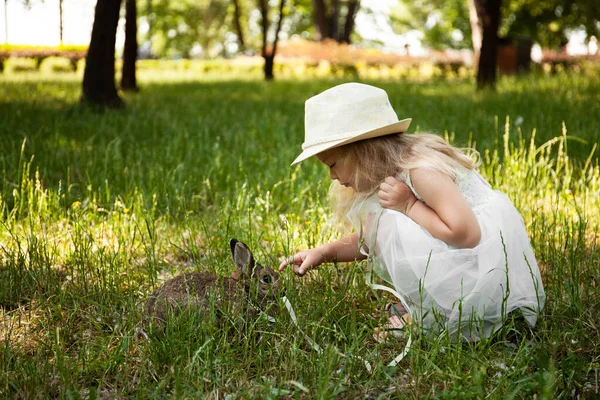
98 208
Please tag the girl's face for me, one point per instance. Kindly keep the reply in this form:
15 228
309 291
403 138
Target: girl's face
339 167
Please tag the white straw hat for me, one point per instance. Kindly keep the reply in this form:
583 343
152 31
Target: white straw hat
347 113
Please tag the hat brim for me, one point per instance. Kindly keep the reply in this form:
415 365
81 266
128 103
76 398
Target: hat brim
396 127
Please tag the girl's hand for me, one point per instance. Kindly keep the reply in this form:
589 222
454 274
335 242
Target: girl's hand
302 261
396 195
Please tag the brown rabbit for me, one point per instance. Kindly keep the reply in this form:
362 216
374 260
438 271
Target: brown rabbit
250 288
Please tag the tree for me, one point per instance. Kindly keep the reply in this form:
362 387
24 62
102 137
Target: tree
444 23
486 14
211 28
99 76
150 21
545 21
548 21
130 50
190 28
269 54
60 20
476 28
5 21
248 29
299 19
237 22
441 20
335 20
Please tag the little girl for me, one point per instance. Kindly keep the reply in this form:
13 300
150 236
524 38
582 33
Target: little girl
455 250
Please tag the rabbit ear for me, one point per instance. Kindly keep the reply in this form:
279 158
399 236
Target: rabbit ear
242 256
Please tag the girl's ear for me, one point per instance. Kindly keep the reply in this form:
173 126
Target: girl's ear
242 257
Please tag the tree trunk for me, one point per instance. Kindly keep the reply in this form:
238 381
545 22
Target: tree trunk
263 6
5 21
488 12
237 16
99 87
321 20
130 50
268 67
278 28
476 27
329 24
335 21
353 7
269 56
60 21
149 20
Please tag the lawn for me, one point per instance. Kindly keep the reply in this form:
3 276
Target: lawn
98 208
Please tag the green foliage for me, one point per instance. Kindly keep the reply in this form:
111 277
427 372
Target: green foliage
445 24
20 65
206 28
56 64
300 19
97 209
182 28
547 21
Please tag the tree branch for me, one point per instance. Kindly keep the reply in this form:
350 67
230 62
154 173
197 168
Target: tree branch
281 5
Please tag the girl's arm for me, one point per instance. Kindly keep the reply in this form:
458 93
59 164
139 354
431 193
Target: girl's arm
343 250
446 215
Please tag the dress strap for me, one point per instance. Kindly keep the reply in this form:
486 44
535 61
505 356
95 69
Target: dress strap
405 177
375 286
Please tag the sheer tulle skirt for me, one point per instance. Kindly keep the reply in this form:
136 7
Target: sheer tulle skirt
468 292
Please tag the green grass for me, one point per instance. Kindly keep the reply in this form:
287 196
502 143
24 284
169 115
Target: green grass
96 209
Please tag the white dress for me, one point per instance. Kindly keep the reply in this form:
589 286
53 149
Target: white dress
466 291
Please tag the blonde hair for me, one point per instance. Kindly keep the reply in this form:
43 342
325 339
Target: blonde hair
377 158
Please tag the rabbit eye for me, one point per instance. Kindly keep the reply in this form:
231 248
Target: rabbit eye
266 279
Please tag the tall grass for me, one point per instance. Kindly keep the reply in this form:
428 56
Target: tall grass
98 209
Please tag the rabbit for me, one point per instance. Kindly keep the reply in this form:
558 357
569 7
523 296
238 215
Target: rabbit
249 289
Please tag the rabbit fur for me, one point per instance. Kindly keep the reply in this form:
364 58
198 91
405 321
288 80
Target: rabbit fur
250 288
